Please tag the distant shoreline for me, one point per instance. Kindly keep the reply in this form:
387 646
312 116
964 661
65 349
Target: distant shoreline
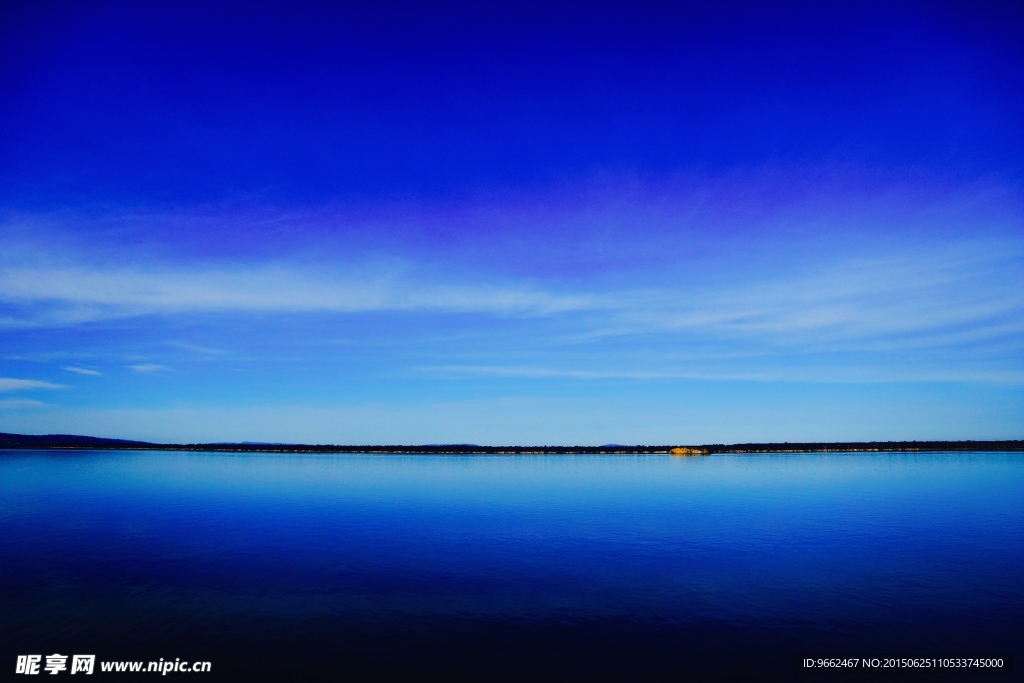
74 442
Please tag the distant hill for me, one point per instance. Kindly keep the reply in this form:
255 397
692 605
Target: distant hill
66 441
75 442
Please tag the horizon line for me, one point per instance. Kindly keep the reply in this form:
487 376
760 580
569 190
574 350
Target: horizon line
78 442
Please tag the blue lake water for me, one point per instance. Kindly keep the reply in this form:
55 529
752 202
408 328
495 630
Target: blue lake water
366 567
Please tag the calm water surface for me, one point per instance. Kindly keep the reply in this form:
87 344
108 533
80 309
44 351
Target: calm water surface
356 567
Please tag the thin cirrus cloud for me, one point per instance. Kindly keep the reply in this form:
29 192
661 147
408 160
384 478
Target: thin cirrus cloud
196 348
924 298
11 384
81 371
73 295
21 404
927 296
149 368
812 375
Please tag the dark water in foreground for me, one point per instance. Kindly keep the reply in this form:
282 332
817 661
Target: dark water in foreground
366 567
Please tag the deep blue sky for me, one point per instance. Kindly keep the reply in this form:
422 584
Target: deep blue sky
403 223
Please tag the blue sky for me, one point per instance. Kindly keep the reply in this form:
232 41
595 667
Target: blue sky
562 224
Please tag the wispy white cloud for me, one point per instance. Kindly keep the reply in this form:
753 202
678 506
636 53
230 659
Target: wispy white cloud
851 375
77 294
149 368
195 348
21 404
10 384
923 298
915 296
539 372
81 371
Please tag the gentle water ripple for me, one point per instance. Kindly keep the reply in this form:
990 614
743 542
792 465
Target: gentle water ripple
517 565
